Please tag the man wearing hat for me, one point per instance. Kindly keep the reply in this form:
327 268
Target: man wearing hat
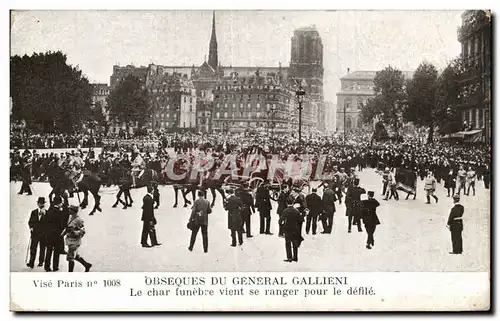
329 198
36 225
234 206
248 208
291 220
315 207
263 204
353 205
282 204
25 165
455 225
370 218
148 219
53 225
74 232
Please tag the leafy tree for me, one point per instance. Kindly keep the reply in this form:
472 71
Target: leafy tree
421 98
48 94
390 97
99 118
128 102
448 94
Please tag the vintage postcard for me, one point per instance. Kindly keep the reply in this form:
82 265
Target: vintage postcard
223 160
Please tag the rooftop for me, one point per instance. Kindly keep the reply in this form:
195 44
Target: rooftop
370 74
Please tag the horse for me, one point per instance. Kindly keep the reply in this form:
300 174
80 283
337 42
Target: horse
149 177
60 183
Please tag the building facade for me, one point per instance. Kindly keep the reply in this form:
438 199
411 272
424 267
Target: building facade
356 89
216 86
260 103
475 38
172 100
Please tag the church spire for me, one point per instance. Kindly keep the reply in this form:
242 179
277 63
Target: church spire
212 52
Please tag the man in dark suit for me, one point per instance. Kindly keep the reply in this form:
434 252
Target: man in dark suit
148 219
291 220
370 218
248 208
353 205
263 204
282 204
329 199
315 207
456 225
53 226
36 225
26 164
199 215
235 220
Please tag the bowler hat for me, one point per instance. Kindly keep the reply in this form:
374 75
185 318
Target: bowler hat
41 200
371 193
456 197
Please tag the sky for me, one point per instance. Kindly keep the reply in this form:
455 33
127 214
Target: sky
358 40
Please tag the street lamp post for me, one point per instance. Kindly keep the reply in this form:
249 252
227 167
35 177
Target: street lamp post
344 125
300 93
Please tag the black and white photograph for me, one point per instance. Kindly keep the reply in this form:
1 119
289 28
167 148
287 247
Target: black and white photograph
250 141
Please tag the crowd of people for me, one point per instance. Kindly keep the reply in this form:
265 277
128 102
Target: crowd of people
23 140
459 166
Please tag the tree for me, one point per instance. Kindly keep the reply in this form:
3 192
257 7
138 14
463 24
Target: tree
129 102
448 94
98 117
421 98
387 105
48 94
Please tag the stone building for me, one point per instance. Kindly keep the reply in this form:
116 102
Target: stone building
173 100
261 103
306 68
356 89
475 38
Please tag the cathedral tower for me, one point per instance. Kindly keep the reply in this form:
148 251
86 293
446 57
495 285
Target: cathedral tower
307 60
213 59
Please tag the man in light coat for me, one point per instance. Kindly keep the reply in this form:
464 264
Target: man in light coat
74 232
430 187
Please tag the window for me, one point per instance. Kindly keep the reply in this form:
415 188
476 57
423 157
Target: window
348 123
162 124
347 103
241 105
190 99
234 106
167 124
218 106
185 98
225 105
359 103
249 105
225 114
258 115
258 105
217 115
268 106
